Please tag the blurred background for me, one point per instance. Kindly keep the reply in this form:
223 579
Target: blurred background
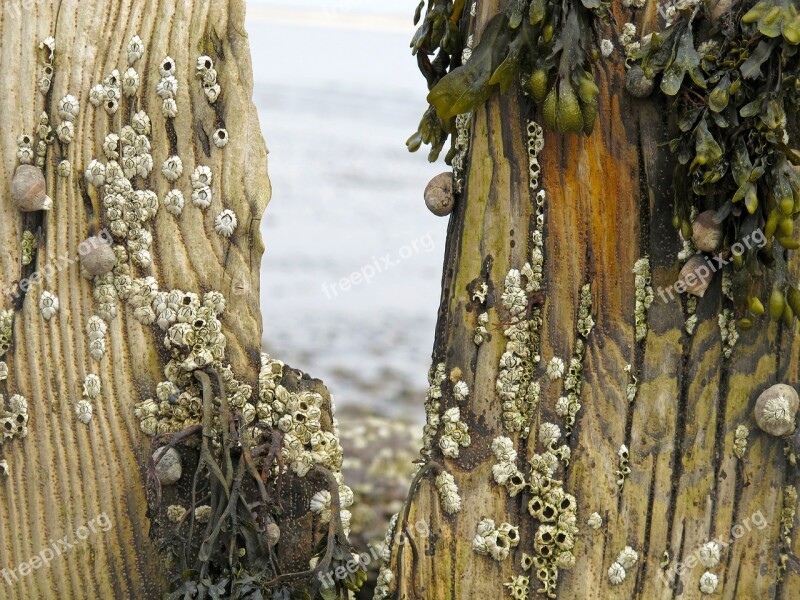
351 274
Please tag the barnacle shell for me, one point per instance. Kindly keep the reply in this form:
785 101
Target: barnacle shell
172 168
168 465
439 196
174 201
83 410
202 514
135 49
167 67
220 138
175 513
776 409
225 223
48 305
100 258
68 107
91 386
28 189
204 63
616 574
708 582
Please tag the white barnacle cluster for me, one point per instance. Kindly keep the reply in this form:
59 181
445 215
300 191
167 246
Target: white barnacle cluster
29 246
448 493
201 187
518 587
623 470
569 404
48 305
535 146
225 223
175 513
626 560
644 296
495 541
740 441
461 147
14 417
96 333
25 153
207 75
385 583
691 310
481 332
627 38
556 514
633 385
321 503
505 471
68 108
788 513
515 384
297 414
130 82
178 402
64 168
433 405
167 88
534 271
6 330
455 433
47 54
91 390
128 157
727 329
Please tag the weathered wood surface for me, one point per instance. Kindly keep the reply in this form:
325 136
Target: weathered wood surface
65 473
609 203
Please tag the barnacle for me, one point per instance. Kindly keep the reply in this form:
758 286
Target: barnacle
494 541
708 582
3 371
709 554
555 368
201 197
172 168
595 521
66 131
167 87
97 95
28 247
173 202
212 92
135 49
220 138
83 410
169 108
740 441
518 587
644 296
91 386
175 513
64 168
130 82
202 514
204 63
624 470
616 574
167 67
627 558
48 305
225 223
95 173
68 107
201 178
448 493
455 433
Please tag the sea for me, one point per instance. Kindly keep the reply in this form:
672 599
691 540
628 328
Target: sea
352 270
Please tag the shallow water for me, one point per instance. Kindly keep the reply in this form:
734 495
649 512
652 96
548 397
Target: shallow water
351 274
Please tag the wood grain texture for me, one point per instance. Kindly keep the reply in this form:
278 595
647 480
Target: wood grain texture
64 473
609 203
